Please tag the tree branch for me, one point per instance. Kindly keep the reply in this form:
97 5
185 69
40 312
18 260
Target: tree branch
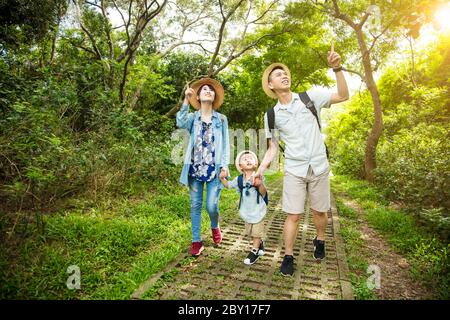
91 38
245 49
338 14
265 12
125 23
107 30
363 20
375 38
93 4
143 19
221 31
363 79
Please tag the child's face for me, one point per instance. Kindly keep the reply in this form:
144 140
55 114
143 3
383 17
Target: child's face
247 162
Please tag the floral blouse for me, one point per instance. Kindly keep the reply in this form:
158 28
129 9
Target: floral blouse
202 165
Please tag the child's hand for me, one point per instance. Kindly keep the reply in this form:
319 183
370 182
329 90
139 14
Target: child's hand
257 181
223 174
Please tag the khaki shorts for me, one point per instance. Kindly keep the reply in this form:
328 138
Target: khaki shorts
255 230
295 190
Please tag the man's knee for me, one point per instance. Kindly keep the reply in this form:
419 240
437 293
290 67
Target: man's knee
293 218
318 213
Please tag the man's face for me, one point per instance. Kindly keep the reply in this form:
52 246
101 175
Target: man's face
206 94
279 80
247 162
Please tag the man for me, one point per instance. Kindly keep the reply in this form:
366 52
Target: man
306 164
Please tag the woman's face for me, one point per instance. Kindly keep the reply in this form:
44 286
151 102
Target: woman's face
206 94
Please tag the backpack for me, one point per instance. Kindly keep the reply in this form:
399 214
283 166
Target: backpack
309 105
241 187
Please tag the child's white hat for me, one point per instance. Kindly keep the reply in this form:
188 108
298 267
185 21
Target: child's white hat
238 158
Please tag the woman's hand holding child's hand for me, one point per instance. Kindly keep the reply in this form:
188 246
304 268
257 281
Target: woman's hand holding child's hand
223 174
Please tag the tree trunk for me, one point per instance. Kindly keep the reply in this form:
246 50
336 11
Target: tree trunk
52 53
124 77
377 128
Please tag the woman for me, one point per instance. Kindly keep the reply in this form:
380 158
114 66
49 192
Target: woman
207 156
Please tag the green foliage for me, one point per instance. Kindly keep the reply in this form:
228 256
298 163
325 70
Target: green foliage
431 262
114 249
412 155
303 49
63 133
414 168
428 255
179 68
403 233
346 135
67 133
354 248
437 221
47 160
25 21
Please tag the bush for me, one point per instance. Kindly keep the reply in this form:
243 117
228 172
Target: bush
346 135
414 167
44 158
428 255
431 261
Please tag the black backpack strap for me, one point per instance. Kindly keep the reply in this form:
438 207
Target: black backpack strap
271 118
271 123
240 181
265 198
310 105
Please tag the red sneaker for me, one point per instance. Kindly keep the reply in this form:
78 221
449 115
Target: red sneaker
197 248
216 235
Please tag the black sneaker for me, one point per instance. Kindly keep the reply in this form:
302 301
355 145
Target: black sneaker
319 249
252 257
287 267
261 251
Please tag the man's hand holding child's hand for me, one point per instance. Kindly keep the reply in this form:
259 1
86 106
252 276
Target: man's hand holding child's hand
257 181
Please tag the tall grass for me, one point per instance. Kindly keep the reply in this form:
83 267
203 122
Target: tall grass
428 254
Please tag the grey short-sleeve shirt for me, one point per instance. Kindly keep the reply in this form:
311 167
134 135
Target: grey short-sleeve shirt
300 133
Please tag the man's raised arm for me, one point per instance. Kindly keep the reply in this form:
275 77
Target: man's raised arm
334 60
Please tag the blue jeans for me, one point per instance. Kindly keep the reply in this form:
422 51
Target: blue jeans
213 189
